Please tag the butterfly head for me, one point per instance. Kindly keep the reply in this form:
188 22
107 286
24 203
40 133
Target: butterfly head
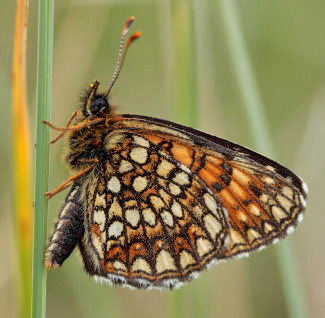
100 105
94 104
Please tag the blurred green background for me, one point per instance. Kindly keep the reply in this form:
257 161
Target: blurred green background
286 47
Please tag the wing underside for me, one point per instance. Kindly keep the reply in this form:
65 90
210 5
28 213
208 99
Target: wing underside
165 205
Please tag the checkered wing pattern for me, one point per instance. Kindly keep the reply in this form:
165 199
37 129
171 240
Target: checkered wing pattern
170 201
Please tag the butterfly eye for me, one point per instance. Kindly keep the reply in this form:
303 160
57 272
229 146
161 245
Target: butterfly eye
100 104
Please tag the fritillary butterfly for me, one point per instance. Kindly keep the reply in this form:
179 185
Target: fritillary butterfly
154 203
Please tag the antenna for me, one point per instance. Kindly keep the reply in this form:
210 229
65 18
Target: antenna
122 52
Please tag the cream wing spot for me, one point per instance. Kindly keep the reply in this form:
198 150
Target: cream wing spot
130 204
198 211
167 218
184 168
186 259
141 141
255 210
240 176
141 265
164 262
140 183
120 266
268 227
164 168
165 196
115 209
100 218
212 225
278 213
210 202
264 198
139 155
115 229
177 209
133 217
114 185
182 178
174 189
149 216
236 237
287 191
252 235
287 204
268 180
125 166
157 202
241 216
203 246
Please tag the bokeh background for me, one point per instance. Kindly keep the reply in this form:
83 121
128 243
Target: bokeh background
286 49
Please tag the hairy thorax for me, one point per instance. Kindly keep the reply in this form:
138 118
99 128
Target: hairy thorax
86 145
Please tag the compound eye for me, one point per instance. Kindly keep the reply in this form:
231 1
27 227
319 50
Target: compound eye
100 104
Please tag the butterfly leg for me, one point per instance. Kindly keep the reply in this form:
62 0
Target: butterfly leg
76 115
67 232
67 183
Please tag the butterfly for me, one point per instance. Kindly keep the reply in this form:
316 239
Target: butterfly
153 203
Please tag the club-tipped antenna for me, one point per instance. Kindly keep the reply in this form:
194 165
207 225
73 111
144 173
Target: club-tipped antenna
122 52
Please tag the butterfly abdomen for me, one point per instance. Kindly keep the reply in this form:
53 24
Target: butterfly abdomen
67 232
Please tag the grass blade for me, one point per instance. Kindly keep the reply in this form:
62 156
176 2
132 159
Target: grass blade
186 96
44 86
246 80
23 163
292 285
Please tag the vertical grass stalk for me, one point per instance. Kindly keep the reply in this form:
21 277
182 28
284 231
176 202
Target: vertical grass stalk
44 92
185 97
291 282
23 162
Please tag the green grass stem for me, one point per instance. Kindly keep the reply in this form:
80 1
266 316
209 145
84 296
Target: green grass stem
44 92
186 95
292 285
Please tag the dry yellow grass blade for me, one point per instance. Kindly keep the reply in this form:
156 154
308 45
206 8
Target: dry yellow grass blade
22 151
